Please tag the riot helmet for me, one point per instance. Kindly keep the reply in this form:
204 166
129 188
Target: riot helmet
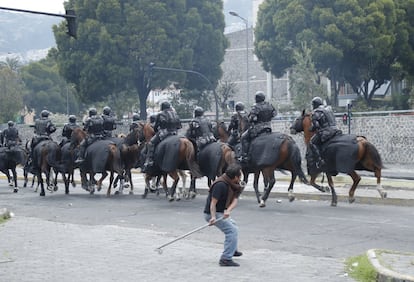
316 102
106 110
165 105
260 96
239 106
10 123
152 118
92 112
198 111
44 113
72 118
135 117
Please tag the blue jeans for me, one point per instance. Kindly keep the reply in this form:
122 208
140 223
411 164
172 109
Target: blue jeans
229 228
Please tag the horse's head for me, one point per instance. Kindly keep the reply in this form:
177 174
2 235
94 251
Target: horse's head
220 131
303 124
78 134
148 131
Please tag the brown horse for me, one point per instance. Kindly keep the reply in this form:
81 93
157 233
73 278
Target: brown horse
270 152
186 160
367 158
220 131
101 156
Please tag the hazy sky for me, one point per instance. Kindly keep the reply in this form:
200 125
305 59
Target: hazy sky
49 6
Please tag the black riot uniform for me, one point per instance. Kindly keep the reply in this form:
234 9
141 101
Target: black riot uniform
234 128
109 122
67 130
200 129
135 122
94 127
324 126
260 118
10 136
167 123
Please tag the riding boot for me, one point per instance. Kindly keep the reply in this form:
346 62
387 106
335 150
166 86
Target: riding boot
82 149
149 161
317 156
244 151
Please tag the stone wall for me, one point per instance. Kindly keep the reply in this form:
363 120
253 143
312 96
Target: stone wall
392 135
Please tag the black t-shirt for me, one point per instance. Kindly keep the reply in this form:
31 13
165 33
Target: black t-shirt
220 192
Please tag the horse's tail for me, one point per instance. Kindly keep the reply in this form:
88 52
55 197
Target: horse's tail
296 160
54 155
191 162
373 153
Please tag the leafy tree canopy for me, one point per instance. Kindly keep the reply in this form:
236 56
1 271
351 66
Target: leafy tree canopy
352 41
11 90
117 40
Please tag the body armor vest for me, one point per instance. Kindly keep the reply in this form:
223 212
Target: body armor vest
108 122
41 126
94 125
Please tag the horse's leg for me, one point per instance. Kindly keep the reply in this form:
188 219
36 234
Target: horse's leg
129 175
99 182
66 182
111 180
182 188
334 201
40 180
313 184
269 175
291 195
16 189
256 186
192 190
148 179
381 191
355 181
176 178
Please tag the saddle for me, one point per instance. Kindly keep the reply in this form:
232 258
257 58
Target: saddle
166 154
340 154
209 159
264 149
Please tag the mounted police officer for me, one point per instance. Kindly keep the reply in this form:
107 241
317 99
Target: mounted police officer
167 123
67 130
200 129
109 121
239 116
135 122
44 127
324 124
94 126
260 118
10 136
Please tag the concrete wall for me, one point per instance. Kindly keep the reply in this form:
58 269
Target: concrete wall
392 135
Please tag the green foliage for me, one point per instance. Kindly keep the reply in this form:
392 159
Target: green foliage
304 81
118 39
351 41
46 89
11 92
361 269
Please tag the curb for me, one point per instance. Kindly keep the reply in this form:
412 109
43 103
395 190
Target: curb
385 274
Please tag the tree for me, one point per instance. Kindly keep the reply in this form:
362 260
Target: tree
351 41
46 89
304 81
11 92
117 40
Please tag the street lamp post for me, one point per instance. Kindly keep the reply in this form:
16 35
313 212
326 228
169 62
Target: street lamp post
247 54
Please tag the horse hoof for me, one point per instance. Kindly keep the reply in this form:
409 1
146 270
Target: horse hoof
42 194
291 199
117 193
333 204
384 195
10 184
50 188
351 200
55 189
262 204
131 193
15 190
126 185
178 199
144 196
170 199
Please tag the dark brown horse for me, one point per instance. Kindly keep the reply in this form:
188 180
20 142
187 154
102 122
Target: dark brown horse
186 160
270 152
101 156
9 159
367 158
46 156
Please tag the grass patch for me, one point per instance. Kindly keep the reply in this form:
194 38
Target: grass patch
361 269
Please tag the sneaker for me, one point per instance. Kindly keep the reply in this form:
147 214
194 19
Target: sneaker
228 262
237 254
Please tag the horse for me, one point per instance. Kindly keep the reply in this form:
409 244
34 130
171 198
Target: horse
46 155
67 165
270 152
9 159
220 131
100 156
367 158
183 152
